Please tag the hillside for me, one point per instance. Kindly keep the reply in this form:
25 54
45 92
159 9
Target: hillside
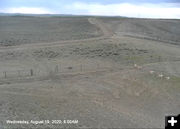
100 71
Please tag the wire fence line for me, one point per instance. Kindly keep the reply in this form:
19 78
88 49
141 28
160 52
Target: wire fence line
17 73
60 68
55 69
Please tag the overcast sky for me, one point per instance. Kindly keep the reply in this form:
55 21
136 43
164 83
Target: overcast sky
130 8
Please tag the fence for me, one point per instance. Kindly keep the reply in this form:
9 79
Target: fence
17 73
61 69
56 69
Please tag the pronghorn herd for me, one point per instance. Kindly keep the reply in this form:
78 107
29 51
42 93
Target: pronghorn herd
159 75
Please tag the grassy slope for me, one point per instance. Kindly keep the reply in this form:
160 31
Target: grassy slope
21 30
166 30
125 97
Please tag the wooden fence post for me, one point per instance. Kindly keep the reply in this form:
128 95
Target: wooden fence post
159 58
31 72
5 74
19 73
56 69
151 58
98 66
81 67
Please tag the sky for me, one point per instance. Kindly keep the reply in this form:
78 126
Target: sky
128 8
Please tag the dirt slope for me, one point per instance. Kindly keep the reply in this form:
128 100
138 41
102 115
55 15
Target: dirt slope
93 79
160 30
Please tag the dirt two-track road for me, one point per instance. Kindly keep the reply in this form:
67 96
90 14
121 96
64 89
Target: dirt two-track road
88 72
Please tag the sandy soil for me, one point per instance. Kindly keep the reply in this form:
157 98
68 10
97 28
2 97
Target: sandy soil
93 80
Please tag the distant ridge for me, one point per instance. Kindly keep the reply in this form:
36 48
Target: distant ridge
54 15
21 14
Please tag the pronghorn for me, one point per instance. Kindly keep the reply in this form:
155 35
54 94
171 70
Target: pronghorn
139 67
160 75
135 65
167 78
151 72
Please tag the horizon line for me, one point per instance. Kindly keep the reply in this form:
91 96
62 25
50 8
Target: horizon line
28 14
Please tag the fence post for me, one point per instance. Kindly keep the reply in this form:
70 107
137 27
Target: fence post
81 67
159 58
56 69
31 72
97 66
5 75
19 73
59 68
151 58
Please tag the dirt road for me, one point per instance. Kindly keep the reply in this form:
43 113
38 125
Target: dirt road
106 33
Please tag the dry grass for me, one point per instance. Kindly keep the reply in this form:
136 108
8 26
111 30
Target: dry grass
118 96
